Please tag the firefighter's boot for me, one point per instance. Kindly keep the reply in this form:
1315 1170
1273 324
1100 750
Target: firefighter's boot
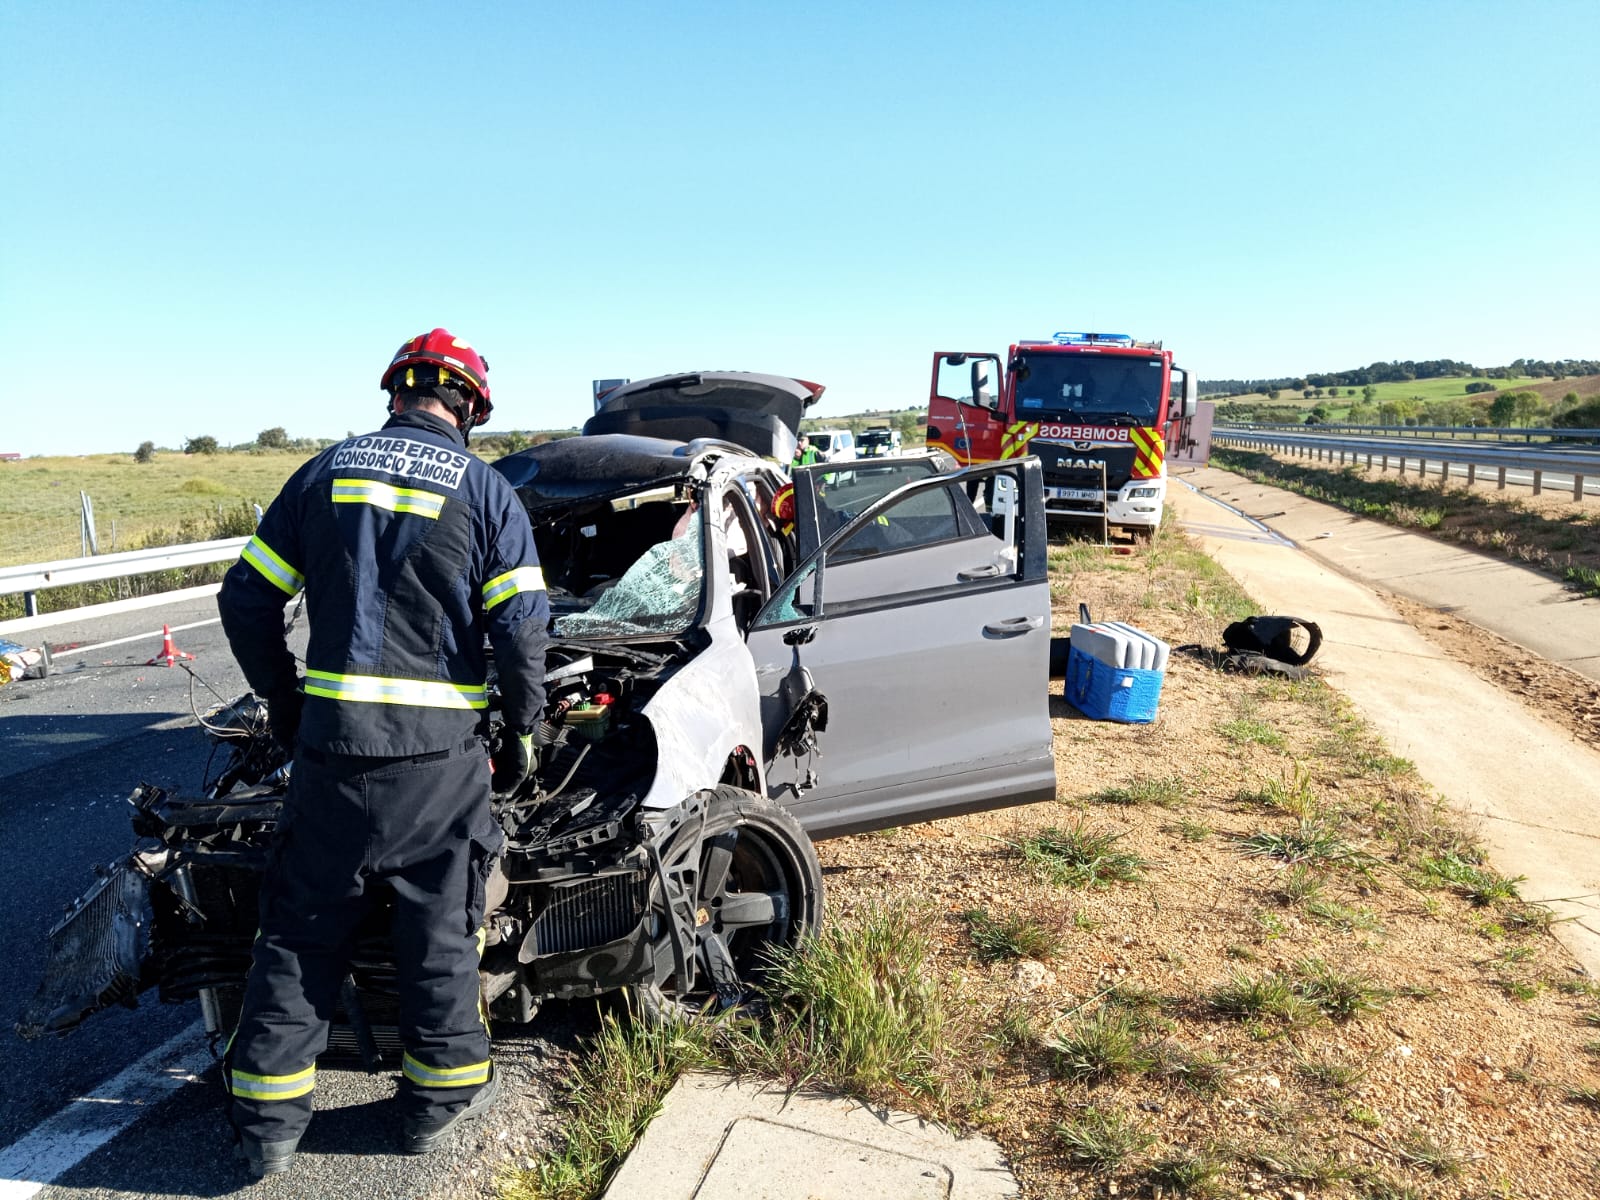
266 1158
423 1133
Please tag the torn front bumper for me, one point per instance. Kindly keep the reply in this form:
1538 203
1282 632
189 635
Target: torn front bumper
97 954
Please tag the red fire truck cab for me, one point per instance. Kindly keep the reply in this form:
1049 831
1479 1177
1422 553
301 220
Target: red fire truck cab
1099 409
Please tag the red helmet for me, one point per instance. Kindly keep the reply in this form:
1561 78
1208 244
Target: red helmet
457 361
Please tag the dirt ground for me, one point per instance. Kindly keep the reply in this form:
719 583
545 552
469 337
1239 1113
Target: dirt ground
1135 1048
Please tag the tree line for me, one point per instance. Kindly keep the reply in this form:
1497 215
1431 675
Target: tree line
492 446
1400 372
1500 410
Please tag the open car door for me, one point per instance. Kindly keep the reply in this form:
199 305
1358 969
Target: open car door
903 667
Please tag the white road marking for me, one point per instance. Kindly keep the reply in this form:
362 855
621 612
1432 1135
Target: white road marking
59 1143
137 637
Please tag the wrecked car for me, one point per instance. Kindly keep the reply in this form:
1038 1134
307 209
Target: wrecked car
733 672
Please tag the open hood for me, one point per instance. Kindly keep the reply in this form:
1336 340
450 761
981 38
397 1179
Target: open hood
759 412
580 469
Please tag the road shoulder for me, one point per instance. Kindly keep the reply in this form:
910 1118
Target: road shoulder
1529 784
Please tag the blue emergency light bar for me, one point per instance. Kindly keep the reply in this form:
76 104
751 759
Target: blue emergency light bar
1081 339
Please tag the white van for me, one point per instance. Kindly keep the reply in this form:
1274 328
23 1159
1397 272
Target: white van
834 445
879 443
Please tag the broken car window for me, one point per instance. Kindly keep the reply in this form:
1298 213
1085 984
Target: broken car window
658 595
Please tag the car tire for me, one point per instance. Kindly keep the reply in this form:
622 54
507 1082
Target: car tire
751 847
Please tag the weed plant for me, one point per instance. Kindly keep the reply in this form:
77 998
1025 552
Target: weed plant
999 938
1343 917
1080 856
1330 1074
1250 731
1299 884
1420 1150
1105 1045
617 1088
1200 1072
1188 1173
1311 841
1479 884
1338 994
1102 1139
1296 1161
1164 792
1294 795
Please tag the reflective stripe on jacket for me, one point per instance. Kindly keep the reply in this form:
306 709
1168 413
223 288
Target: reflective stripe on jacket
410 551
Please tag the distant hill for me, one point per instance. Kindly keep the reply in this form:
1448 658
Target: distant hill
1401 372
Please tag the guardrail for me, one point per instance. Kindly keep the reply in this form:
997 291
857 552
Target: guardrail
1577 464
35 577
1504 433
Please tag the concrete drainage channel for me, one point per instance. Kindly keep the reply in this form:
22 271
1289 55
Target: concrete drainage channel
718 1138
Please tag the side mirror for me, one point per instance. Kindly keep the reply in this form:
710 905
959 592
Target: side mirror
982 387
1191 394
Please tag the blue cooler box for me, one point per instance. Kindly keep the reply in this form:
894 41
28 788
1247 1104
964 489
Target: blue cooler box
1111 693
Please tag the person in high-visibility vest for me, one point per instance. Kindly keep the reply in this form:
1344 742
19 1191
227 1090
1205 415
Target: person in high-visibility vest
805 453
411 552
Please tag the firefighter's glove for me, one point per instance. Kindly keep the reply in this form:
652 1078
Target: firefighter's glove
283 716
515 760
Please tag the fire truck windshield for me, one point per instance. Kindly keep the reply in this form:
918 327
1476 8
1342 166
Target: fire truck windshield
1112 388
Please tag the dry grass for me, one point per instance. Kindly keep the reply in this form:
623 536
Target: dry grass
1327 1015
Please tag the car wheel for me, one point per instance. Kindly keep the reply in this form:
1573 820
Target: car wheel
759 890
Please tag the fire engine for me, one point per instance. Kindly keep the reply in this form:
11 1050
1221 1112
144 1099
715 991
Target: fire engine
1099 409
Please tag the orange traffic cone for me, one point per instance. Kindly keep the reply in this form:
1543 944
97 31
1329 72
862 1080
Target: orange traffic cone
169 653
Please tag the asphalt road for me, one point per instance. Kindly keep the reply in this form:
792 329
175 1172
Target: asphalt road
72 747
1433 452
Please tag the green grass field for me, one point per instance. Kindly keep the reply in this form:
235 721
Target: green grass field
1294 404
39 506
1427 390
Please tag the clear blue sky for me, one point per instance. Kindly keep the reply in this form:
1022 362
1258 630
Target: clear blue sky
223 217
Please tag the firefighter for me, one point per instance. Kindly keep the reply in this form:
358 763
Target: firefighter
410 551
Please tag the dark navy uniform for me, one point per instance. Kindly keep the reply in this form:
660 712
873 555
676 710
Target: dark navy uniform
410 551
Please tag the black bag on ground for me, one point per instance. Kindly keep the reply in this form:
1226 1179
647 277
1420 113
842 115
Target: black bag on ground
1274 637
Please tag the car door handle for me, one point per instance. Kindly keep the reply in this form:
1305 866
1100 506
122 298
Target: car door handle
1012 626
988 571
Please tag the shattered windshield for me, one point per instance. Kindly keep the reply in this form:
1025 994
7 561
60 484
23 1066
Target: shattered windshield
658 596
1088 387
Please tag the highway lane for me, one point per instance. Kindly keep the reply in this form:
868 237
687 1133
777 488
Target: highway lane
74 746
97 698
1414 452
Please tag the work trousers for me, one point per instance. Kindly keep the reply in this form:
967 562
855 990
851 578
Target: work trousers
421 829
